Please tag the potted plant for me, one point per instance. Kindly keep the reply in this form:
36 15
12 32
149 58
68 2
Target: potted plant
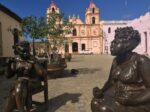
58 27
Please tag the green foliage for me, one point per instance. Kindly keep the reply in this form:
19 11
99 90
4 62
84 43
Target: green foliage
34 27
58 28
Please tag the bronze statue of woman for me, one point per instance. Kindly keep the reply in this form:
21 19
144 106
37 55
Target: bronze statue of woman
28 72
128 86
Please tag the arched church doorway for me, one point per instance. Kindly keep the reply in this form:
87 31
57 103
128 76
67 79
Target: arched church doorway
75 47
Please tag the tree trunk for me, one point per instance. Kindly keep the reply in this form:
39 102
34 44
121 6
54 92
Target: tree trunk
33 47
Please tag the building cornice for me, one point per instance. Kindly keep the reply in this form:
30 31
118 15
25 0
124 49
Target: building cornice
10 13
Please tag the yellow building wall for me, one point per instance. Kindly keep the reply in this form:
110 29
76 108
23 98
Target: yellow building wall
7 22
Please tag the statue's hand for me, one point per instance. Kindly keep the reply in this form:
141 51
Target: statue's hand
97 93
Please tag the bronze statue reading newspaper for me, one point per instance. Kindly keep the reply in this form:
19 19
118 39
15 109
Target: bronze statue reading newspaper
28 72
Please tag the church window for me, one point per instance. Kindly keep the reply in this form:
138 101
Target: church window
93 20
53 10
93 10
109 30
74 32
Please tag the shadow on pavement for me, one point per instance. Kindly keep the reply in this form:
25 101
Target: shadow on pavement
75 72
61 100
69 73
56 102
88 70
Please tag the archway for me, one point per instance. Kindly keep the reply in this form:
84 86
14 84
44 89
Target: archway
93 20
75 47
74 32
53 10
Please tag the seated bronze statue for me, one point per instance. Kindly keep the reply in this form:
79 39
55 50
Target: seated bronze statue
27 72
128 86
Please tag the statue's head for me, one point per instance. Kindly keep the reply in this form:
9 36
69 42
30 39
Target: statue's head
23 48
126 39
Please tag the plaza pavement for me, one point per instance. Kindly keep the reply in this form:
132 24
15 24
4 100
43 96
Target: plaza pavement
72 92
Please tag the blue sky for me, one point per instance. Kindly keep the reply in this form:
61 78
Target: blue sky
109 9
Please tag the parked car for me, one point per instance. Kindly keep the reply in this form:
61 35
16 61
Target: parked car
86 52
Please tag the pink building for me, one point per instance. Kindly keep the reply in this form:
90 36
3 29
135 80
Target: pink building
109 28
142 24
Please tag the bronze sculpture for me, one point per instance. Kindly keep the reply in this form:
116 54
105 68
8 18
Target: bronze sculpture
28 72
128 86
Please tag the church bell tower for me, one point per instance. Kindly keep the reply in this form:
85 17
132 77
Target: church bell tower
92 14
52 8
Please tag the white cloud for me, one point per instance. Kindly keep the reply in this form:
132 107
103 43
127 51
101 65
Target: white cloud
126 3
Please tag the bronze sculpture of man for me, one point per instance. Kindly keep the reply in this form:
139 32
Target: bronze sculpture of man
128 86
28 72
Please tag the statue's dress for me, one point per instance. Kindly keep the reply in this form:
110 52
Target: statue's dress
128 83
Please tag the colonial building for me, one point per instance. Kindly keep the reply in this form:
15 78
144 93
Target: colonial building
8 21
86 36
142 24
109 28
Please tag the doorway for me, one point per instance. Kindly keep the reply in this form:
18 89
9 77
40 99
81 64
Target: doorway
83 47
75 47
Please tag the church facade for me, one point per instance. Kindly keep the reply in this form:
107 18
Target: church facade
86 37
95 35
